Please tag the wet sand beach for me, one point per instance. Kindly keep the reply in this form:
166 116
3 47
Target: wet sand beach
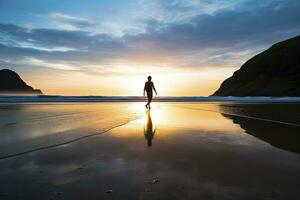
175 151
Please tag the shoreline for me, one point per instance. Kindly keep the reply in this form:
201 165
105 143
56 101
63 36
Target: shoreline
45 98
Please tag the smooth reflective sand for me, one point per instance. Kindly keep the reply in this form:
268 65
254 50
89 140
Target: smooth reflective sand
175 151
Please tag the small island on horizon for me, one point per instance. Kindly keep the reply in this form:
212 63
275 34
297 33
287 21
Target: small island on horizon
12 84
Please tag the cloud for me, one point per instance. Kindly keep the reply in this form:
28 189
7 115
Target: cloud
75 22
52 38
228 27
183 10
203 40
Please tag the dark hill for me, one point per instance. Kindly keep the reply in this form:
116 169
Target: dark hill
274 72
11 83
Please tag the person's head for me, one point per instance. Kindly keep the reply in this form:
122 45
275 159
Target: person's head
149 78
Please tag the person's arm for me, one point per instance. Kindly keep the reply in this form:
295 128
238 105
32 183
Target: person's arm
144 89
154 88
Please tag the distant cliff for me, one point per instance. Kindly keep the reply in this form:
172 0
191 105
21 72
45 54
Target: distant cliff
11 83
274 72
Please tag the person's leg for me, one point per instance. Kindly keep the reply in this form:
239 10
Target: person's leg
147 104
149 95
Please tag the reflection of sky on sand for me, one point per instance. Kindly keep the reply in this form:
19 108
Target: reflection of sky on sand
175 121
178 117
193 160
30 126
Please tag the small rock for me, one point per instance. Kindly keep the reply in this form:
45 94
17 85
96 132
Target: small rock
108 191
59 193
155 180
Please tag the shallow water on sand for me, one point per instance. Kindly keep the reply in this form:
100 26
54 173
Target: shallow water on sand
29 127
175 151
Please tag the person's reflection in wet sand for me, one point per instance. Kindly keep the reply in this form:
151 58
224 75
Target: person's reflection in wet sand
149 129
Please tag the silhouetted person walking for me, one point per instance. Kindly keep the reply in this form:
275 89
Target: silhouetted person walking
149 87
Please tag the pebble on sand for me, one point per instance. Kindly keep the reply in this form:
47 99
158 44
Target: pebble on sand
155 180
108 191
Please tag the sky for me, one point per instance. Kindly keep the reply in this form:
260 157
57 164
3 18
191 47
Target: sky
104 47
